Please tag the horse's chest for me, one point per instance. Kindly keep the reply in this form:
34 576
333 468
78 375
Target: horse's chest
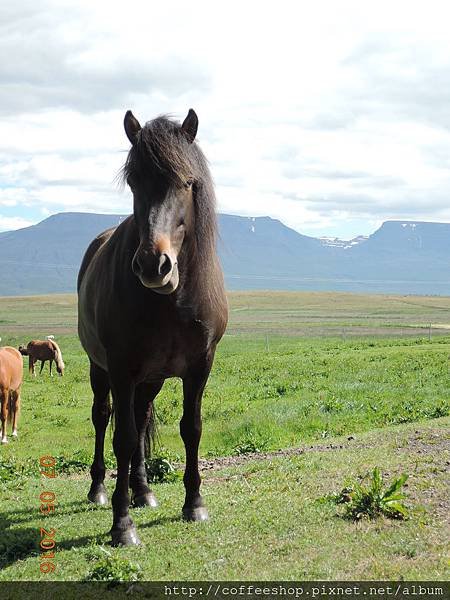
169 354
163 360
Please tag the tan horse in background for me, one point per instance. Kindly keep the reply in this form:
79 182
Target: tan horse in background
43 351
11 375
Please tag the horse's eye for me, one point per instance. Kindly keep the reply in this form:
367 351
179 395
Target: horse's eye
188 184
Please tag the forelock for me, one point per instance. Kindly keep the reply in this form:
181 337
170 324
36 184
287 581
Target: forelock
163 149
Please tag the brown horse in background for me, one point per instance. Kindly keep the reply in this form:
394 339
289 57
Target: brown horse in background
43 351
11 375
152 305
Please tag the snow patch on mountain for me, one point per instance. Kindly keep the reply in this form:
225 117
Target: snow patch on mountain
345 244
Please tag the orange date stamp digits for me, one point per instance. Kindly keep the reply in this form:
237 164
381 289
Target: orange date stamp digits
47 466
47 546
47 499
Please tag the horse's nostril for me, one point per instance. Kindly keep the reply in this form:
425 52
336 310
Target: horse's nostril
137 267
165 265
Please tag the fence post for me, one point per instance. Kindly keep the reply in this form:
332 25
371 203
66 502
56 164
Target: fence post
429 333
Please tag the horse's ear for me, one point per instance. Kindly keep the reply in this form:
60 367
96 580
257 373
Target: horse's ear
190 125
132 127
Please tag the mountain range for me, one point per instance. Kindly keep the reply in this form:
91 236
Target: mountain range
402 257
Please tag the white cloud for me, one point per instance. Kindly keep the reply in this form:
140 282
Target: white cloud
329 116
10 223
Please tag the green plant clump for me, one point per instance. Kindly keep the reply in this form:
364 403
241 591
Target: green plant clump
13 472
371 501
114 568
252 442
159 469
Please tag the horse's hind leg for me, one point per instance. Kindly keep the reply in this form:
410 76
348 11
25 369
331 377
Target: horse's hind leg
101 411
191 431
15 404
143 409
4 398
42 366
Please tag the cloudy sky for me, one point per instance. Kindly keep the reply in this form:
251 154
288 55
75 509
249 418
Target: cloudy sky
330 116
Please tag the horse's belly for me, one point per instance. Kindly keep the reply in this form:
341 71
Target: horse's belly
92 345
153 368
89 338
170 353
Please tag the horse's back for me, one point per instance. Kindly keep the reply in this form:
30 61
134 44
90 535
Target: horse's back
89 286
91 251
11 367
40 349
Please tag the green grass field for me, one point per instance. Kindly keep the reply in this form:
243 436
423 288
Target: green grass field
295 370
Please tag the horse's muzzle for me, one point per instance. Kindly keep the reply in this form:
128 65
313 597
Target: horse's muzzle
156 272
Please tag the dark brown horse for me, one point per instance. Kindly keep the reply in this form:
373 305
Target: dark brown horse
11 374
43 351
152 306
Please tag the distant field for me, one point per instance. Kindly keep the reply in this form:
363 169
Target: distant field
307 314
294 369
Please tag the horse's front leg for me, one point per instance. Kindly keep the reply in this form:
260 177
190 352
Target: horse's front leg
143 414
191 431
42 366
124 443
31 366
51 362
101 411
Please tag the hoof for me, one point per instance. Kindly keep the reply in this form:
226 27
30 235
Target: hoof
125 538
14 434
147 499
99 497
200 513
5 441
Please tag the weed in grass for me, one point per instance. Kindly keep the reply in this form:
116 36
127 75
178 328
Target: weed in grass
251 442
114 568
80 460
331 405
60 421
13 472
159 469
371 501
442 410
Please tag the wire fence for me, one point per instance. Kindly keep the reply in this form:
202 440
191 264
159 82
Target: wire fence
267 331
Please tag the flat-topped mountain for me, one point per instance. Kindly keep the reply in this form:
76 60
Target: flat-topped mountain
256 253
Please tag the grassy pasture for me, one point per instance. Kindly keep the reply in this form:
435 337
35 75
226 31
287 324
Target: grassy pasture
294 369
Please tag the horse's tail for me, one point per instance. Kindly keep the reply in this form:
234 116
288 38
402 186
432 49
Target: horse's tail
58 356
151 431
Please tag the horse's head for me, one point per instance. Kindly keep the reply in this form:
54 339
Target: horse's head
162 174
23 350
